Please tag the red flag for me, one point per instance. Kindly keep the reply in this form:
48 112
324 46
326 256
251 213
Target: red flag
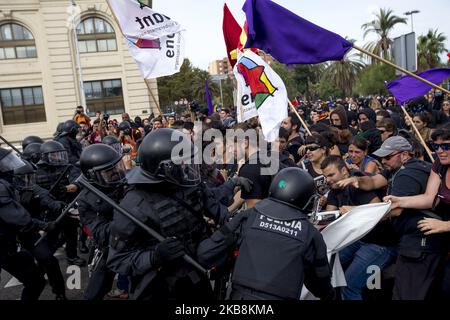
231 32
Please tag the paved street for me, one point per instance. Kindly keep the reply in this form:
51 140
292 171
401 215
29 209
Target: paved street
10 288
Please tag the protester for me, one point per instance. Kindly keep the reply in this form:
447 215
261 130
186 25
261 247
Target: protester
358 157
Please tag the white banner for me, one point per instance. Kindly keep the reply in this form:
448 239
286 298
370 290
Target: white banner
261 92
161 57
346 230
138 21
155 41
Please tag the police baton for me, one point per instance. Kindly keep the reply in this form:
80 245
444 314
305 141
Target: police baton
59 219
9 144
82 181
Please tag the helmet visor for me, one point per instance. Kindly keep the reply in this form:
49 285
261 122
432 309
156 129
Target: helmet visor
57 158
25 181
185 175
111 175
10 162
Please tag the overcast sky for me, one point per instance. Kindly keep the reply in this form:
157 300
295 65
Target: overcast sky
203 20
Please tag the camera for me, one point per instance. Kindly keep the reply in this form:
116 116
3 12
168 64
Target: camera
106 116
194 106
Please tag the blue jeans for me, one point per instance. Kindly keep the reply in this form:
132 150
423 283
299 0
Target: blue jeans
355 260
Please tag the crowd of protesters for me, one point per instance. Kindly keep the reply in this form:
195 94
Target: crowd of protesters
358 151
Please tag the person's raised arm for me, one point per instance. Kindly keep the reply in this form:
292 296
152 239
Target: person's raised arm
421 201
366 183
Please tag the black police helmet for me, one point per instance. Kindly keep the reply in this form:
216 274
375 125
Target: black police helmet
124 125
101 164
70 127
31 139
9 161
113 142
53 153
25 176
32 152
28 168
167 154
110 140
51 146
294 187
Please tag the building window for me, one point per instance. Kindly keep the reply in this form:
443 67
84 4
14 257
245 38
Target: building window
22 105
96 35
16 42
105 96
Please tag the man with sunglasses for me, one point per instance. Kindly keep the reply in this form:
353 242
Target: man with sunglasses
419 254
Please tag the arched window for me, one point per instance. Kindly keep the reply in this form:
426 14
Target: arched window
16 42
96 35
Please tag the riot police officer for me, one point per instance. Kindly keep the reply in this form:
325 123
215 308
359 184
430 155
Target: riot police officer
165 192
55 174
36 199
102 166
32 152
31 139
15 220
279 249
68 139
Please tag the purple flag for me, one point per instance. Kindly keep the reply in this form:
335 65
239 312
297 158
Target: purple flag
407 87
208 99
289 38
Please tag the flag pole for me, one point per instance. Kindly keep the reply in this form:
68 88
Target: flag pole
418 134
239 103
400 69
153 97
300 118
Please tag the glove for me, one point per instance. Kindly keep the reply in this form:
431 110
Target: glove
50 227
234 223
167 251
57 206
245 183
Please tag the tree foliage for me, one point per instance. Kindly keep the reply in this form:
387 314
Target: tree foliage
187 84
384 22
429 47
372 79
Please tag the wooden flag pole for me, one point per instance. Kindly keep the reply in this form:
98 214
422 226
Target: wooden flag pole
153 97
300 118
400 69
418 134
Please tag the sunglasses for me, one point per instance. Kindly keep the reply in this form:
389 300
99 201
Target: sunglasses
443 146
381 131
389 157
312 148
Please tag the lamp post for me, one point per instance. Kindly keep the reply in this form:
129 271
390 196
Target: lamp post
410 13
219 78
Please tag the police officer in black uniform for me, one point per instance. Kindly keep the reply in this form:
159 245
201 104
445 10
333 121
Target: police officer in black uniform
15 220
103 167
35 200
165 193
31 139
68 139
55 174
32 152
279 249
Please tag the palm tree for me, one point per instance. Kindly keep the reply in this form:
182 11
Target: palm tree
343 74
429 47
384 22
